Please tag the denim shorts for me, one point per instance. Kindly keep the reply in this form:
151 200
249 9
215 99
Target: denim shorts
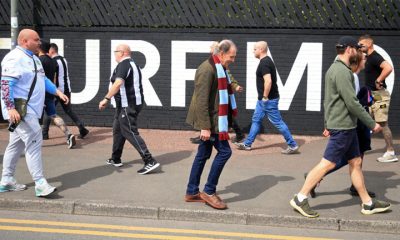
342 146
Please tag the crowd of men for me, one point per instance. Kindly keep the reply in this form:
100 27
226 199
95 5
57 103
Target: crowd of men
33 73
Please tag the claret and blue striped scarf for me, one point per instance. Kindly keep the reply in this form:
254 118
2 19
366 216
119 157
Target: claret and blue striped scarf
226 96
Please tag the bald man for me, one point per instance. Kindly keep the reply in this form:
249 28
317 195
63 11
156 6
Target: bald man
126 95
268 100
23 78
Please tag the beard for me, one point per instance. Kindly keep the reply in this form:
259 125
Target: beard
353 59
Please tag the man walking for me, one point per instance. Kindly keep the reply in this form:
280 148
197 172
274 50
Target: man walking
342 110
23 77
268 100
376 71
210 111
63 83
126 94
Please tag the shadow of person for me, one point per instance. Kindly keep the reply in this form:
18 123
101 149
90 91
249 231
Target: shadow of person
253 187
96 135
383 150
78 178
1 158
380 186
282 145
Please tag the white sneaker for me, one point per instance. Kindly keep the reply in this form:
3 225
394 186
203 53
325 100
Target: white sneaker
43 189
387 158
12 186
71 141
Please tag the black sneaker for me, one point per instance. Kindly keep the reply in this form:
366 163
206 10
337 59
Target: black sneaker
303 207
238 138
353 192
115 163
376 207
83 132
71 141
149 167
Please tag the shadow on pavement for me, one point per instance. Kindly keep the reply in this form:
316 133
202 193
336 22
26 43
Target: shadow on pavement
282 145
380 189
78 178
253 187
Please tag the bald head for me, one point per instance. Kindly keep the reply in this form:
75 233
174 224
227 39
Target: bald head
122 51
260 49
29 39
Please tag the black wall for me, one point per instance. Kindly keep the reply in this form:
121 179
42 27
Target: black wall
284 45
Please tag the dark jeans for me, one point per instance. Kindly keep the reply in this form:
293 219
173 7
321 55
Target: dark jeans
203 153
68 110
125 128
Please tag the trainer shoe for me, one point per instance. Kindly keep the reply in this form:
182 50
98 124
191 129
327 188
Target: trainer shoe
376 207
353 192
12 186
149 167
83 132
303 207
71 141
386 158
43 189
45 136
114 162
242 146
291 150
238 138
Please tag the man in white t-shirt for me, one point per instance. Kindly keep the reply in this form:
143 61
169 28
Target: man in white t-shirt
19 69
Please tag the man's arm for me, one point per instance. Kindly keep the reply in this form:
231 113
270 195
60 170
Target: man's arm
267 85
386 70
111 92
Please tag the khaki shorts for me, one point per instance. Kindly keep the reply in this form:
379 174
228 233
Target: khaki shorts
380 107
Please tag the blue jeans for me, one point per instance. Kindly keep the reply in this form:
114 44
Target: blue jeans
203 153
270 109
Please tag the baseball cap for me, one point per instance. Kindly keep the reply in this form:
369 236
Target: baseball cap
347 41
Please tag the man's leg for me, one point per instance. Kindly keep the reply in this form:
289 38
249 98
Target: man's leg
203 153
209 194
275 118
315 175
369 206
118 142
67 107
12 154
389 155
256 122
128 123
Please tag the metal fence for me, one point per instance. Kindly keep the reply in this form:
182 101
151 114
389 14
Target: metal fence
217 14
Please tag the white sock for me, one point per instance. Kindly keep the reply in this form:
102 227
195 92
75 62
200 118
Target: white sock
301 197
368 203
388 153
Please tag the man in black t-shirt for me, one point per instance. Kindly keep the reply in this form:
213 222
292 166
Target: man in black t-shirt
377 69
126 94
268 100
50 69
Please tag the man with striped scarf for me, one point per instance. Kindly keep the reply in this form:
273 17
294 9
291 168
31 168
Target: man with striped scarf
211 110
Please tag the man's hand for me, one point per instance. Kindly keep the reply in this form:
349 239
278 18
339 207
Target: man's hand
62 96
14 116
205 134
103 104
377 128
326 133
378 85
239 88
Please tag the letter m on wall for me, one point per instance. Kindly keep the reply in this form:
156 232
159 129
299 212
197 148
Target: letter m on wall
309 57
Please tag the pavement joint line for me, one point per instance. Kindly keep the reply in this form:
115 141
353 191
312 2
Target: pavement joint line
95 208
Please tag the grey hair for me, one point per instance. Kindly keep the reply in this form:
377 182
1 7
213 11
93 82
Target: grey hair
224 46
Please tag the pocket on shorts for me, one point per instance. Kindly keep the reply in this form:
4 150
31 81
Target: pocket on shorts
380 107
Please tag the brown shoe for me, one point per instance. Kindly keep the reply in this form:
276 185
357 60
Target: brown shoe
193 198
213 200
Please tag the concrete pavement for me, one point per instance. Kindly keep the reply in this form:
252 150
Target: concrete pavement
256 185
